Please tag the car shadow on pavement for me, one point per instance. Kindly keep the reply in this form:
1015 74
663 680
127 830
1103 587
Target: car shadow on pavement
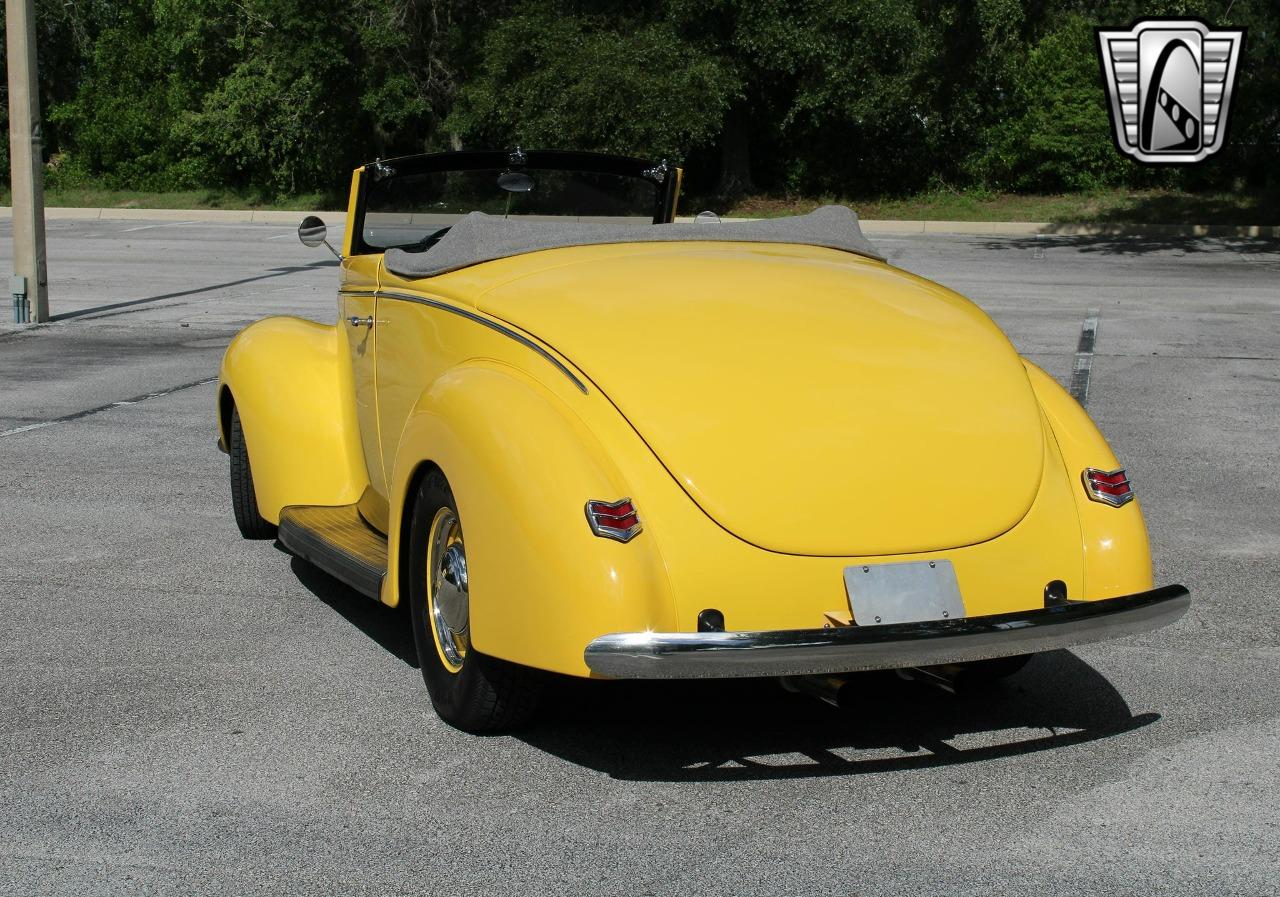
388 626
752 729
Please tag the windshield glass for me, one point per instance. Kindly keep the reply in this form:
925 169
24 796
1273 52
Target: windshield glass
410 210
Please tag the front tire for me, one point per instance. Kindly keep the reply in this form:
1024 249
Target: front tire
469 690
244 499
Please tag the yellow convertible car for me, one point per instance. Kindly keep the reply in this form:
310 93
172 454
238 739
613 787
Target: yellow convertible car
577 436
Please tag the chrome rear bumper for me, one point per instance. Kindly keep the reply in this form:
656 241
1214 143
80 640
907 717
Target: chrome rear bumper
845 649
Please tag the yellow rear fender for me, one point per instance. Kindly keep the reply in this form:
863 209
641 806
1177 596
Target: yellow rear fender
541 584
1117 556
292 388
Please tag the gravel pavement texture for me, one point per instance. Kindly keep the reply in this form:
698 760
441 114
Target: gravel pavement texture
185 712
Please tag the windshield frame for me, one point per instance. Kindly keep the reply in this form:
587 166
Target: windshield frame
666 192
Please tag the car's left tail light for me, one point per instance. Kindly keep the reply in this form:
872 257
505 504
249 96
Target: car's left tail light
1111 487
613 519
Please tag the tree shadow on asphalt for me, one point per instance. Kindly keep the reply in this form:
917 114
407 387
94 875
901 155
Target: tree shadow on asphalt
388 626
1126 244
752 729
1259 206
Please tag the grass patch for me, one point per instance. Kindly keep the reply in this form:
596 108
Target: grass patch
1113 206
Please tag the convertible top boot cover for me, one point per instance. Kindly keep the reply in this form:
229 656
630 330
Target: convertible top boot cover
809 400
482 238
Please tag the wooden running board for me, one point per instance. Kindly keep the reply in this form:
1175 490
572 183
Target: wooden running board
339 542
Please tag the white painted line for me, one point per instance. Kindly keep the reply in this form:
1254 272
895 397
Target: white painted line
29 427
67 418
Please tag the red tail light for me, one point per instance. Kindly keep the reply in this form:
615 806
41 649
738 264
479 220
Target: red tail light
613 519
1111 487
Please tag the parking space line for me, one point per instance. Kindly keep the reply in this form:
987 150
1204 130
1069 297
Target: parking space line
1082 369
67 418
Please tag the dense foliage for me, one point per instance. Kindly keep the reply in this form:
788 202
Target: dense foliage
842 97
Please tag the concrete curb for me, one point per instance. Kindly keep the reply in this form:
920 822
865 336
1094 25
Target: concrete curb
874 226
1045 228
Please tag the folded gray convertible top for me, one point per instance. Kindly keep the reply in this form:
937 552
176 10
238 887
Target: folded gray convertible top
482 238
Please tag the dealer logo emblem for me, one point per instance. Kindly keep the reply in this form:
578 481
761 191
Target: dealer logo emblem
1169 82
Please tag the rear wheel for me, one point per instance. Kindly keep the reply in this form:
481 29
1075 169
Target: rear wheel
244 500
469 690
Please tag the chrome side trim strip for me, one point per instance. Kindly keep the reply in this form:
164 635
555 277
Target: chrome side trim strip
846 649
492 325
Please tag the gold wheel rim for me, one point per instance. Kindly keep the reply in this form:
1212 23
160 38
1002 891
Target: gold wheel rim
448 601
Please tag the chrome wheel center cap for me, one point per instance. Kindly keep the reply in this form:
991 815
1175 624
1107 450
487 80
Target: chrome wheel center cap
450 607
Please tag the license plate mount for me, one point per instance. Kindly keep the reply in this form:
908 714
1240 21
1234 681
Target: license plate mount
906 592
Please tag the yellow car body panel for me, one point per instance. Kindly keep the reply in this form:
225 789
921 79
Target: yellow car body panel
292 381
684 377
522 502
862 390
1117 556
542 583
292 387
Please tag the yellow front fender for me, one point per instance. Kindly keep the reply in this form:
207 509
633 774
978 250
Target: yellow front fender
1117 556
522 467
292 387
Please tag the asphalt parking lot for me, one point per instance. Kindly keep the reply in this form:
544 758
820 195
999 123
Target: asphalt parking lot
185 712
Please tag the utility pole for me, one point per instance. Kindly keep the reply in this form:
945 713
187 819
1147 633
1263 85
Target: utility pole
29 284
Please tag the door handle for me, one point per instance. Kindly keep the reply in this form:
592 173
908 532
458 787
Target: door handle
355 321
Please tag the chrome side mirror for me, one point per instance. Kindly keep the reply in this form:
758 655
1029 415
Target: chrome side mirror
312 232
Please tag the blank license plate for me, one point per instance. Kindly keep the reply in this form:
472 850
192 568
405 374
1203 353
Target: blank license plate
910 592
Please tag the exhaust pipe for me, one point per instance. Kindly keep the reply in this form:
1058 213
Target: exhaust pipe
831 689
940 677
824 688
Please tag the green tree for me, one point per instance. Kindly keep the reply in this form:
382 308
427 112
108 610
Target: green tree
1057 135
845 97
549 78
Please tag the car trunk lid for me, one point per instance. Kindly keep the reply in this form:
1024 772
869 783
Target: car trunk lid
809 401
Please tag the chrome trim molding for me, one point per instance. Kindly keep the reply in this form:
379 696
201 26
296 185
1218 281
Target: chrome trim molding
492 325
846 649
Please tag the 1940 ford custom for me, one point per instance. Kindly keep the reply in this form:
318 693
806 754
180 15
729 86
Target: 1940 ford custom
576 436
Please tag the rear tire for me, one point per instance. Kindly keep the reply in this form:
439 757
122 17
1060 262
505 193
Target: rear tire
244 500
469 690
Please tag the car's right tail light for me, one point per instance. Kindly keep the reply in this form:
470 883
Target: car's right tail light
1111 487
613 519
